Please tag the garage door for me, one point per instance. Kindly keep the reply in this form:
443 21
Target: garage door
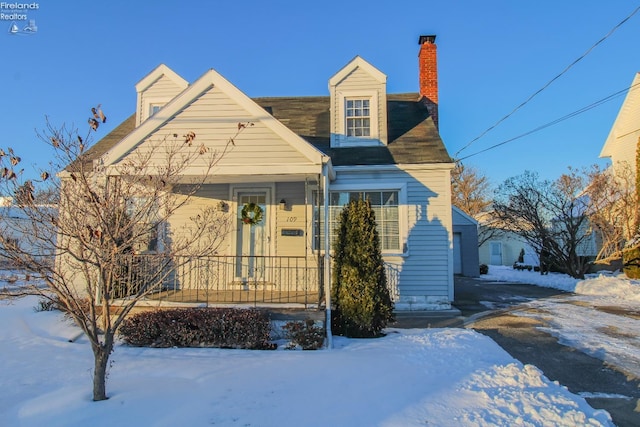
457 253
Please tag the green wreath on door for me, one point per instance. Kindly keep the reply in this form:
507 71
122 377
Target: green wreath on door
251 214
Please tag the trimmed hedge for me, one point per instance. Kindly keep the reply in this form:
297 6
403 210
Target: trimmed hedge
198 327
305 335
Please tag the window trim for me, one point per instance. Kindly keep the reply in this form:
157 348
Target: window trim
149 102
153 106
403 249
355 108
374 112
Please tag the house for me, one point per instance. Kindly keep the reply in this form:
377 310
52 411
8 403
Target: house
621 148
20 229
299 163
501 244
498 245
504 248
620 145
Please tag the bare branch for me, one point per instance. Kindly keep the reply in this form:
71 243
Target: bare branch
87 229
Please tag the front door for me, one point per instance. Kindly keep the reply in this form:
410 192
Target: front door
496 253
252 239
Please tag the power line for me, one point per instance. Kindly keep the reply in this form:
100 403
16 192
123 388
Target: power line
556 121
549 82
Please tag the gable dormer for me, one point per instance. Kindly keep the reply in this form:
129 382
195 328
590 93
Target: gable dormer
155 90
358 105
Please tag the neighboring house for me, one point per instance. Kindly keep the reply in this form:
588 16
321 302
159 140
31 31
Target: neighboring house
17 229
504 249
304 153
465 244
505 246
501 246
620 145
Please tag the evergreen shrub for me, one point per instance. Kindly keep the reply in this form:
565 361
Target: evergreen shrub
362 302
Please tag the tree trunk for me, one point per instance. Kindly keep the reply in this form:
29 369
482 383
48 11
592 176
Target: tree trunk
101 358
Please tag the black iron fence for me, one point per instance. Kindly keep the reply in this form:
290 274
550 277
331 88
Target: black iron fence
219 279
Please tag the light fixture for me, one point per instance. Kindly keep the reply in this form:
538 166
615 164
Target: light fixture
283 204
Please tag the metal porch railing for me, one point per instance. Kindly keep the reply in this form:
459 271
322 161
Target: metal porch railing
256 280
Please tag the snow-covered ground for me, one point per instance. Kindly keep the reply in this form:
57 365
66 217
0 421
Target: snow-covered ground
435 377
601 319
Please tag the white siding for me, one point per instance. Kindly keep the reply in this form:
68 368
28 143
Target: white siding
296 216
426 266
622 141
359 82
208 196
161 91
214 118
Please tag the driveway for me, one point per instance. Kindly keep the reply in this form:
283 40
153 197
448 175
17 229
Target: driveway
490 307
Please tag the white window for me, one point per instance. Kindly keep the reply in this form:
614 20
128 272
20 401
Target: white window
358 117
151 105
385 206
154 108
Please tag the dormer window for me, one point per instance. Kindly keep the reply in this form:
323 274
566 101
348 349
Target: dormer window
358 106
358 117
156 90
154 108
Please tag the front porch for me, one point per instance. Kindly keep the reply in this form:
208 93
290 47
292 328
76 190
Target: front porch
277 281
220 279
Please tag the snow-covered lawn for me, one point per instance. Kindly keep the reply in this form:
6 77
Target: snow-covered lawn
435 377
601 319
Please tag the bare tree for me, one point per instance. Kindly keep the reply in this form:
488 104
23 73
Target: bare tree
107 215
490 227
550 216
470 192
612 208
636 227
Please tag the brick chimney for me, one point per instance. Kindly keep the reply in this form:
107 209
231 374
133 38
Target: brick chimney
428 74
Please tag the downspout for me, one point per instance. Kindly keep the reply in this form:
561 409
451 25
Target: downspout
327 255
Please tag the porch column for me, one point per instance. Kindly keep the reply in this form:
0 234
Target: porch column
327 255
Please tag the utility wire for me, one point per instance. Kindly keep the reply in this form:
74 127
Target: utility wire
549 82
556 121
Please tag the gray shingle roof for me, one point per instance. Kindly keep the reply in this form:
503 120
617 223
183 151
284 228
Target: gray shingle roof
111 139
412 135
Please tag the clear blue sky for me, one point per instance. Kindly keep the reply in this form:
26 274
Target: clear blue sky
492 56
